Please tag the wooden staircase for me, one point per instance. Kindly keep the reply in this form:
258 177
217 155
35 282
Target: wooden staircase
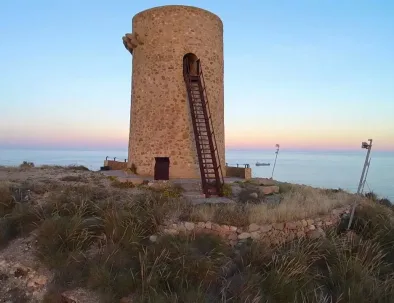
207 150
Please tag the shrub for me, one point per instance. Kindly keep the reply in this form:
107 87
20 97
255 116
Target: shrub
227 190
19 221
250 194
116 183
26 164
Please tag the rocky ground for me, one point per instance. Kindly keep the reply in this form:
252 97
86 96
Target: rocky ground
63 230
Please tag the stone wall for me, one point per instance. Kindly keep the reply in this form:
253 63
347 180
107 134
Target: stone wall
115 165
275 233
160 116
239 172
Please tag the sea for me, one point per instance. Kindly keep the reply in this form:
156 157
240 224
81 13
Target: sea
325 169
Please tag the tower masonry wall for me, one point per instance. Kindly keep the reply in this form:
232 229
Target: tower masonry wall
160 115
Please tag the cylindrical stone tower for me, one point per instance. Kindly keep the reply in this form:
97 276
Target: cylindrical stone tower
161 125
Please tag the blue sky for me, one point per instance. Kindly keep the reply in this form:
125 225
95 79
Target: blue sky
306 74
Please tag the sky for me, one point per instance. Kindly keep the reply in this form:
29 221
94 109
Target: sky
304 74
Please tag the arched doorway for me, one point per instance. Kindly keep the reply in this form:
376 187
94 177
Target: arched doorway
191 64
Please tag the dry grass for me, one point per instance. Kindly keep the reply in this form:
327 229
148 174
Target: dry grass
298 202
73 178
98 238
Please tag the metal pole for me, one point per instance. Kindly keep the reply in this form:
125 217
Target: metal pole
361 181
277 151
366 174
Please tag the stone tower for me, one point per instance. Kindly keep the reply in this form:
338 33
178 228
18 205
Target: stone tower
160 122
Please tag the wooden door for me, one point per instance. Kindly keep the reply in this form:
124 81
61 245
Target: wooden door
162 168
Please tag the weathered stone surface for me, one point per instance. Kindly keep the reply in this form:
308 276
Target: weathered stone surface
278 226
310 221
157 74
225 227
291 225
153 238
265 228
253 227
255 235
328 223
233 228
268 190
208 225
263 181
312 227
216 227
189 225
170 231
244 236
304 223
201 224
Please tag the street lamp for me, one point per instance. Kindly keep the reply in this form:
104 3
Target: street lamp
363 178
277 152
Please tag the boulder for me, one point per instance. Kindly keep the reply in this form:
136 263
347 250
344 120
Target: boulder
189 225
244 236
279 226
265 228
291 225
268 190
263 181
253 227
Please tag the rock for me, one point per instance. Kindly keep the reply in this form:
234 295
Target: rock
304 223
291 225
278 226
216 227
225 227
300 234
254 196
310 221
153 238
255 235
181 228
319 223
236 189
272 200
208 225
244 236
170 231
233 236
253 227
328 223
233 228
126 300
263 181
265 228
312 227
189 225
268 190
201 224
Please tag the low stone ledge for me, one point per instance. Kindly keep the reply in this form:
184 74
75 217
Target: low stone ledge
275 233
